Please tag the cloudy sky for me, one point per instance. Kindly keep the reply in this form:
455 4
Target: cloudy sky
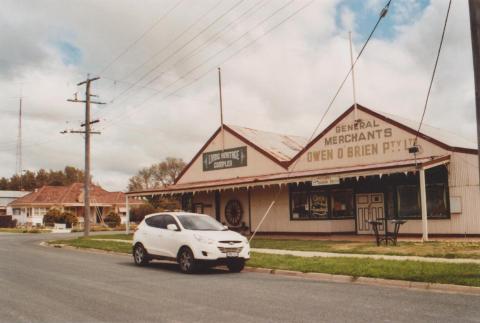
278 74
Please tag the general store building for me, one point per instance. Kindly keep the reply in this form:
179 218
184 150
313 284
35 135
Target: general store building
354 170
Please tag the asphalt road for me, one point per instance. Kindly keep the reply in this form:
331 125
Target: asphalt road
41 284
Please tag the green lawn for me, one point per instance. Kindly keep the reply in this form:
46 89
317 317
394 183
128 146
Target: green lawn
117 236
24 230
90 243
461 274
441 249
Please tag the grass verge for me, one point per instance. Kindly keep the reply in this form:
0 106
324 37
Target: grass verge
24 230
90 243
445 273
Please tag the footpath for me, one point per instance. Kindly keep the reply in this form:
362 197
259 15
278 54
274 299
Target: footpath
310 254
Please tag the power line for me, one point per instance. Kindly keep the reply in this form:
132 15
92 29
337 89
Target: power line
215 36
206 13
237 39
228 58
382 15
132 44
193 52
433 74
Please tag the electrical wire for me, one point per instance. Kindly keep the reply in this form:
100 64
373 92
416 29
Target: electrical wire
228 58
382 15
433 73
146 32
145 75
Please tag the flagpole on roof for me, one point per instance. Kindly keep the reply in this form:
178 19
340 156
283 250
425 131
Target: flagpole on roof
221 107
353 78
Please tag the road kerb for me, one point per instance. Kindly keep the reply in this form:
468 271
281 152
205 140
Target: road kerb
435 287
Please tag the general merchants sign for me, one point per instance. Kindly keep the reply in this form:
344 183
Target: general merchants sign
359 140
222 159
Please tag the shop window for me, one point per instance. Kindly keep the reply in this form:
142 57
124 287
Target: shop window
300 207
187 202
319 205
342 204
408 200
314 204
437 201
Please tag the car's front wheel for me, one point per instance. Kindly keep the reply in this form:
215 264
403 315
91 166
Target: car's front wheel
186 260
140 255
236 266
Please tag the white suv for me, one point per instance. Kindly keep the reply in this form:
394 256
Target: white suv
190 239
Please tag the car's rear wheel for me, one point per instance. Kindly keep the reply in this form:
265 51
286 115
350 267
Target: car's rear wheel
236 266
186 260
140 255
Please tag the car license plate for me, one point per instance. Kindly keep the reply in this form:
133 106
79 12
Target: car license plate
232 254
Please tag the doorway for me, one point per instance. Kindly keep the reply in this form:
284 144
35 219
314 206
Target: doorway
370 206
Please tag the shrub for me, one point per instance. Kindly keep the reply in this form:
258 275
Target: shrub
51 217
7 222
138 213
56 216
112 219
69 219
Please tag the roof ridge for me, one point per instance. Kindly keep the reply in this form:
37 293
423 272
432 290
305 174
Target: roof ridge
387 114
266 131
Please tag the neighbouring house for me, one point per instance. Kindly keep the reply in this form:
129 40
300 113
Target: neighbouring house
363 166
7 197
31 208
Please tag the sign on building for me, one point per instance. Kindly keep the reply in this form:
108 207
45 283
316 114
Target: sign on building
320 181
228 158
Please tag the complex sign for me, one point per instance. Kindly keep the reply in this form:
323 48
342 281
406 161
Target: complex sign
222 159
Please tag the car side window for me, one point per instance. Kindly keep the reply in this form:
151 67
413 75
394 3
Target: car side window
169 220
156 221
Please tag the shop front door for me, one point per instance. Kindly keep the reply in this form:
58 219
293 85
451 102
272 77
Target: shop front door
370 206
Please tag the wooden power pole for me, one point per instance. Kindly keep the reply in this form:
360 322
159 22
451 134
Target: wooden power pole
474 6
87 133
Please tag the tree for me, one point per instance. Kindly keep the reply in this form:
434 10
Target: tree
157 175
138 213
30 180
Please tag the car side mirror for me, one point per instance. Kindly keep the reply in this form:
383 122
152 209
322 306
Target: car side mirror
172 227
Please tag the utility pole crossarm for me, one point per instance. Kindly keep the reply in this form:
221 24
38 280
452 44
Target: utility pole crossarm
85 101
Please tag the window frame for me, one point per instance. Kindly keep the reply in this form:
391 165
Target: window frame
446 193
327 190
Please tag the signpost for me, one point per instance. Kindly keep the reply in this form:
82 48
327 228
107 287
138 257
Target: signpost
224 159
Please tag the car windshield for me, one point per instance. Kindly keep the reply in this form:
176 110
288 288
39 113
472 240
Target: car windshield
200 222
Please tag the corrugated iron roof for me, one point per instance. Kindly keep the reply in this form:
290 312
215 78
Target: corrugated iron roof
72 194
441 135
282 147
13 194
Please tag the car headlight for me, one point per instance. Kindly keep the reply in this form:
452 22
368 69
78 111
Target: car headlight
203 239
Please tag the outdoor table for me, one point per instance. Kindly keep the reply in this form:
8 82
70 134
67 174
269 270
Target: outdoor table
392 236
375 224
388 236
